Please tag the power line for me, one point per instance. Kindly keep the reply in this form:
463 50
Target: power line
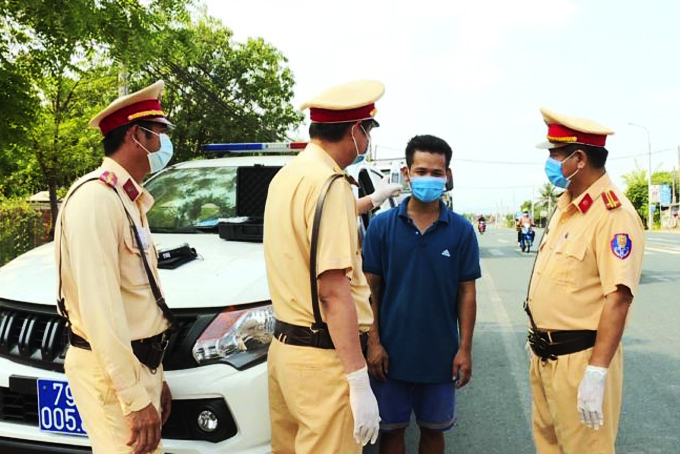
526 163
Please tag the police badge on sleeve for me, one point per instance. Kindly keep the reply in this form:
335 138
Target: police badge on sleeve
621 245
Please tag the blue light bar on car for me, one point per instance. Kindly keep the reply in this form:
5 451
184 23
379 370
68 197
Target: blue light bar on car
259 147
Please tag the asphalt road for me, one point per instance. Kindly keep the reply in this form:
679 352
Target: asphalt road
494 410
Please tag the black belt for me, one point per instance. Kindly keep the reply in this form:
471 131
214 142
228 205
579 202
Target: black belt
149 351
304 336
551 344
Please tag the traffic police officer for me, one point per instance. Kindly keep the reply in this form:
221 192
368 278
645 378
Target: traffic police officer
320 398
586 274
111 298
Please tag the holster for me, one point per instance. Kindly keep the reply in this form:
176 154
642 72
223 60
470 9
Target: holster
548 345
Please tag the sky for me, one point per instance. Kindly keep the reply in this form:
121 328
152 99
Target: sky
476 72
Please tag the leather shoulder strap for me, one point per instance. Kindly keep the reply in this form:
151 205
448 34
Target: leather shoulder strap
318 321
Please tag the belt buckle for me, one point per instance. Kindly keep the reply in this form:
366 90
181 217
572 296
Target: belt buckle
315 336
550 339
165 340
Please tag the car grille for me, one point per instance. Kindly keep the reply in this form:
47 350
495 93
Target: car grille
36 335
18 407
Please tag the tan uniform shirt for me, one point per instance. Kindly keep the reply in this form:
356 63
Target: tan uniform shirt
593 244
104 284
289 216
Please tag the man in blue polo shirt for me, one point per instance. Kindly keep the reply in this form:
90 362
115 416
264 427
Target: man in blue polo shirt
421 261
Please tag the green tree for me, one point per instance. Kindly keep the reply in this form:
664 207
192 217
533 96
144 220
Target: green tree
49 48
218 90
637 190
547 200
60 60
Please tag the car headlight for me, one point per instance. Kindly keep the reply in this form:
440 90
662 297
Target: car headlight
239 338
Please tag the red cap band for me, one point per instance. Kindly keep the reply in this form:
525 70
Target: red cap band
150 108
318 115
562 134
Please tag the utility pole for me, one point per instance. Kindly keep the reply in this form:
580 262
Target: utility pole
123 82
678 173
650 218
533 213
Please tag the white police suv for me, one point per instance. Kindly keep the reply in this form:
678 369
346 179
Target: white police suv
216 365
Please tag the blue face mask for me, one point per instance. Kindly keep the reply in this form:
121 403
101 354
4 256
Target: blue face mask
159 159
358 159
553 169
427 189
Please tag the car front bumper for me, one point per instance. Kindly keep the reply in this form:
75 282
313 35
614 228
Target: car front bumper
244 392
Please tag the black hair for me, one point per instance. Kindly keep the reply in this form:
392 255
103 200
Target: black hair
429 144
597 156
334 132
114 139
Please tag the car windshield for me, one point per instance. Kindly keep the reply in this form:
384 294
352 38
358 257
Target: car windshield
188 198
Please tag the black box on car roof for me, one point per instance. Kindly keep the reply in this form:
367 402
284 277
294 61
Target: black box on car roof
252 184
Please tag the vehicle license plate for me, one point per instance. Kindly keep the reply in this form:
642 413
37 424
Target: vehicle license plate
58 412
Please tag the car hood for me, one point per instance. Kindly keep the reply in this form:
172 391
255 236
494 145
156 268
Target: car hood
226 273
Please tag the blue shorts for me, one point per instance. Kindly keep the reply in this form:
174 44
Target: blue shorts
434 404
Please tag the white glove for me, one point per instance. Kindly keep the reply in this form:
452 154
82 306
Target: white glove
364 407
384 191
591 396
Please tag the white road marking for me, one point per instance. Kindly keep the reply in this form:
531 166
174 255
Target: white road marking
662 240
665 251
496 252
516 355
501 240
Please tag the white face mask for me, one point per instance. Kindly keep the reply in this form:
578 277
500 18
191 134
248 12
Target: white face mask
160 158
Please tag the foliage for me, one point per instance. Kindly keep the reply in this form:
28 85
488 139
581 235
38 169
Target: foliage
21 228
218 90
59 62
637 190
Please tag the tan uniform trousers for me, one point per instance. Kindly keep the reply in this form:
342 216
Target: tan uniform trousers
98 404
556 422
309 402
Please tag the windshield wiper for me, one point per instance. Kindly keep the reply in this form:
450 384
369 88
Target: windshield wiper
186 229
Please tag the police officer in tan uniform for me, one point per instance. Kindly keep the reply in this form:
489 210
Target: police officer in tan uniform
118 321
320 397
586 274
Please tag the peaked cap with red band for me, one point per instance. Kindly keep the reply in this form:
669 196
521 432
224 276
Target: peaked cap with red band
564 130
354 101
144 104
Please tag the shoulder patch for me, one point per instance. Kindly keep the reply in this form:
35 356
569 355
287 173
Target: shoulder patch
585 203
610 200
109 178
131 190
621 245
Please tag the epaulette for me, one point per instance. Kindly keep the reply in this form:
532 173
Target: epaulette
109 178
585 203
131 189
610 200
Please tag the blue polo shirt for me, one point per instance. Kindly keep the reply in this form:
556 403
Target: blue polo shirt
420 274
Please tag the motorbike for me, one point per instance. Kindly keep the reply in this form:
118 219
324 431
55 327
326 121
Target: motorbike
481 226
527 239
